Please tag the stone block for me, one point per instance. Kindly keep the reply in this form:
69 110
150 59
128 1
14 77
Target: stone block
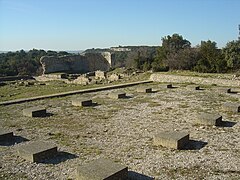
37 151
232 107
194 87
114 77
82 102
102 169
144 90
117 95
174 139
224 90
209 119
35 112
5 135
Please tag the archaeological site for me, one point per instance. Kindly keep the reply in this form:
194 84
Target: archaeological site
119 125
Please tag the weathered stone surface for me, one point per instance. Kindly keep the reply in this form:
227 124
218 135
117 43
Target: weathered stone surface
5 135
35 112
74 63
144 90
82 102
100 75
232 107
102 169
114 77
81 80
209 119
175 140
37 151
117 95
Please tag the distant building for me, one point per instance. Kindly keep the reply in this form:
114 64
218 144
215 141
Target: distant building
119 49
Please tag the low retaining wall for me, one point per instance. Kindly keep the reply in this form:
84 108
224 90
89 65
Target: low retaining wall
73 92
190 79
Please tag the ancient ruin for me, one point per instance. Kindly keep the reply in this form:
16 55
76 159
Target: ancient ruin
144 90
82 102
175 140
102 169
231 107
209 119
117 95
75 63
37 151
35 112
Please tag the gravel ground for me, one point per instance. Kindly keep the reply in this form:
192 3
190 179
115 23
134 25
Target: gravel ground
122 130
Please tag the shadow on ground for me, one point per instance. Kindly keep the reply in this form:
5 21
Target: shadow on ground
137 176
128 97
195 145
61 156
48 114
227 124
94 104
13 141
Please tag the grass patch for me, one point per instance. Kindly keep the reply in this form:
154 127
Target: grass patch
16 91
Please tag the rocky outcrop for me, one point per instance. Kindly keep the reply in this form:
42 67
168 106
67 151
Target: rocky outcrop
74 63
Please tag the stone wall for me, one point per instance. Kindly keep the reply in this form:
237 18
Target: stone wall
158 77
74 63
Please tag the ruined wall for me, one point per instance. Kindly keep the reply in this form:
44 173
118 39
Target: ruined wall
74 63
159 77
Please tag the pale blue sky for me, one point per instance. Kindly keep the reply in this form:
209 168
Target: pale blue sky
81 24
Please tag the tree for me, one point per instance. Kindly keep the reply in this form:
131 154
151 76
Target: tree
23 63
174 43
210 59
158 62
172 53
231 54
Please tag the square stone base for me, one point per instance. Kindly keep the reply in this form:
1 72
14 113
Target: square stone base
175 140
37 151
102 169
144 90
224 90
194 87
231 107
35 112
82 102
117 95
209 119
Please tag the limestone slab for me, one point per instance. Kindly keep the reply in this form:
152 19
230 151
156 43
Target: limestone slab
209 119
144 90
117 95
102 169
173 139
35 112
232 107
82 102
5 135
37 151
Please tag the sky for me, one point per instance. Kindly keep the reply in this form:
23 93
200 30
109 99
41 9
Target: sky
82 24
